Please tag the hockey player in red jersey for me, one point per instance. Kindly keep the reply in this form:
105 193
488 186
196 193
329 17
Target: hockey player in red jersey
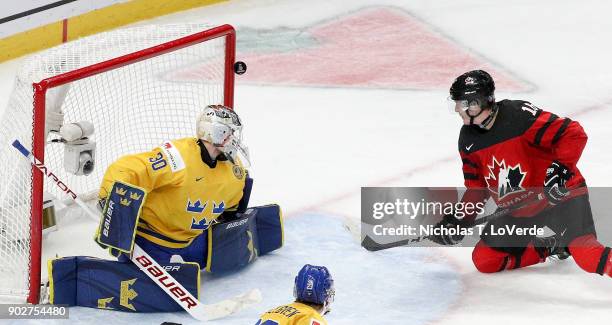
515 153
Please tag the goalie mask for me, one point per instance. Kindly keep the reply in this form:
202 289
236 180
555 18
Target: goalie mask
221 126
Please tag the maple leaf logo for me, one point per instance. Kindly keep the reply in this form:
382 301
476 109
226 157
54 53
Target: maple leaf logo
504 180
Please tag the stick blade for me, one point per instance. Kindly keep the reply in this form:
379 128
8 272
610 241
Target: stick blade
371 245
233 305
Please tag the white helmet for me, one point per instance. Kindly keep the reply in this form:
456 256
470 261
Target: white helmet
221 126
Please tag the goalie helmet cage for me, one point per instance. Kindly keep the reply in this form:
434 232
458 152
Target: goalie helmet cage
138 86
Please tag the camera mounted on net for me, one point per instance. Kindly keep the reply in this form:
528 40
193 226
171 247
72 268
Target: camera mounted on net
79 150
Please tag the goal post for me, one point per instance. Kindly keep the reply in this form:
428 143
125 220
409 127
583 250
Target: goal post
137 87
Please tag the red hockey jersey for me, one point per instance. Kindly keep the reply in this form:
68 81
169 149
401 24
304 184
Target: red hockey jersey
509 161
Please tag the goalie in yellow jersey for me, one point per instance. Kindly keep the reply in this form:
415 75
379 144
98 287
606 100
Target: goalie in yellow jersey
313 291
185 203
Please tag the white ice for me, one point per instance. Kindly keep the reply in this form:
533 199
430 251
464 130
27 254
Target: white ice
313 148
406 278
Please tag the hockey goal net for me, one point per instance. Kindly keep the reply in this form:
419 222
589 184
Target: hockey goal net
137 87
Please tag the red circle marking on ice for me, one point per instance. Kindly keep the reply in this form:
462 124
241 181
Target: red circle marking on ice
373 48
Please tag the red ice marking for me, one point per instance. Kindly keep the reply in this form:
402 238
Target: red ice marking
373 48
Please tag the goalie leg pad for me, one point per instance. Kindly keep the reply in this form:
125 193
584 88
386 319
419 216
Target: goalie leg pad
195 252
234 244
96 283
120 216
269 228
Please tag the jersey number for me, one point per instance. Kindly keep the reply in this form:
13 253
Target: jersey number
530 108
158 162
268 322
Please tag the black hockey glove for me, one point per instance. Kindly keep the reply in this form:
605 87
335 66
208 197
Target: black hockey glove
557 175
447 231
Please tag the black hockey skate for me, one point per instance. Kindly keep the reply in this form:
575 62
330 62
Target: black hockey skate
549 247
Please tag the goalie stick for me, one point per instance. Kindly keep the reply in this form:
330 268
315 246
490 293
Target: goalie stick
371 245
152 269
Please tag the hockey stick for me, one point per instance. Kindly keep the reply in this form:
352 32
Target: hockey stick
152 269
371 245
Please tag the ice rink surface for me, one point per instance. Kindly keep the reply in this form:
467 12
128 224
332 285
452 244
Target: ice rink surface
341 95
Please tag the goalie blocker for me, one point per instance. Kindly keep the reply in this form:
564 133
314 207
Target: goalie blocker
120 215
118 285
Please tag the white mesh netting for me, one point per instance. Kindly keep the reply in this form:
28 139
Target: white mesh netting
133 108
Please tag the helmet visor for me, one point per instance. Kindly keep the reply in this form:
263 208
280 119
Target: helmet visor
472 107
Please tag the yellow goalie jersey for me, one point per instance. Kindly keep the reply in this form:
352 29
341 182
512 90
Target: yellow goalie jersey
184 194
292 314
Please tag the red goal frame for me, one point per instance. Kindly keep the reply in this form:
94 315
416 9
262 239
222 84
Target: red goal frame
38 137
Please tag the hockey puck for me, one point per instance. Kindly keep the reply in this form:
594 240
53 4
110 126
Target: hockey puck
240 67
